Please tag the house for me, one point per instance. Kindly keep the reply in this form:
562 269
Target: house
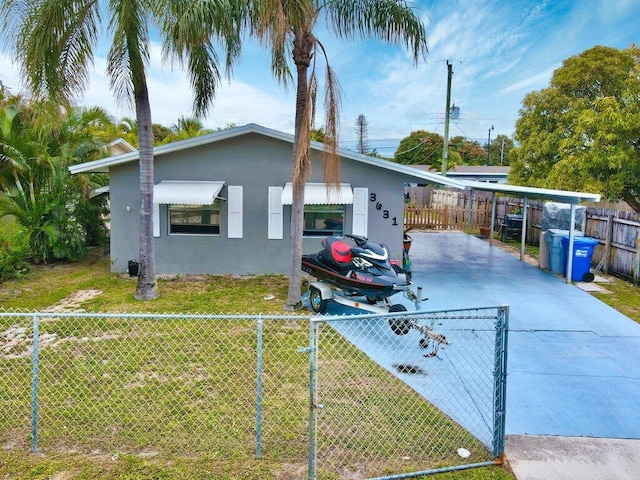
222 202
478 173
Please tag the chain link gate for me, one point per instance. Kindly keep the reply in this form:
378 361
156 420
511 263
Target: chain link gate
407 394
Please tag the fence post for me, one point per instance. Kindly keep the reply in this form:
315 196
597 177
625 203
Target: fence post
312 450
500 381
259 389
445 220
607 242
636 263
34 383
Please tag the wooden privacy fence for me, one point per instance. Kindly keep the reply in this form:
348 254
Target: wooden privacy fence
619 236
445 217
618 232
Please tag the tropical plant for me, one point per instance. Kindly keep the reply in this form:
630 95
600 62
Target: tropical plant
36 191
188 127
287 28
54 43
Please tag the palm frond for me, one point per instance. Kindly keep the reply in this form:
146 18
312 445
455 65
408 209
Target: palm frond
392 21
332 127
54 46
128 57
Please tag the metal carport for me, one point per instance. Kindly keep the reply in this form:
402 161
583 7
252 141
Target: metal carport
562 196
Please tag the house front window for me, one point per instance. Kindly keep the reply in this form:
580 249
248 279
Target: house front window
195 219
323 220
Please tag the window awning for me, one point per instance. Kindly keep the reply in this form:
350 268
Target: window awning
317 194
186 192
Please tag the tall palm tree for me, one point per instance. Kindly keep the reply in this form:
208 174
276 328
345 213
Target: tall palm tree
54 42
287 27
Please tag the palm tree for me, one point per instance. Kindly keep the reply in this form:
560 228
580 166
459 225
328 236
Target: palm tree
54 41
188 127
287 28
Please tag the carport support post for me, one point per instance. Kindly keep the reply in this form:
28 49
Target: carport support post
493 217
469 215
523 235
572 223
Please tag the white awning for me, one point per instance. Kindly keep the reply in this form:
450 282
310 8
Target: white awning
318 194
186 192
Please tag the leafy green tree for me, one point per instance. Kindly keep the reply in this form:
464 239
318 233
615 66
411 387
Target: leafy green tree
317 134
420 148
470 151
581 132
500 148
287 27
54 42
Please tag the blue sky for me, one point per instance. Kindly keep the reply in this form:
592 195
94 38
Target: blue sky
500 51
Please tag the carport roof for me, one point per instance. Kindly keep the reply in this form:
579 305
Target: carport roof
561 196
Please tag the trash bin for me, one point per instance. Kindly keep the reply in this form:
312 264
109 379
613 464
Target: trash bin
133 268
582 251
554 238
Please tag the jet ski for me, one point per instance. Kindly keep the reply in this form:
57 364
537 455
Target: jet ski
363 269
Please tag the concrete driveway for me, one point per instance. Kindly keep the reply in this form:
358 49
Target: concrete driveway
573 361
573 371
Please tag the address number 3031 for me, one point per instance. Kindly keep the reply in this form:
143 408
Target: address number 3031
385 213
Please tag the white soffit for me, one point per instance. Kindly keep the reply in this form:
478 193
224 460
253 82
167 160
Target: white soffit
186 192
318 194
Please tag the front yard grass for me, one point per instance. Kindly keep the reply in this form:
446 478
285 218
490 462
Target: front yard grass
47 285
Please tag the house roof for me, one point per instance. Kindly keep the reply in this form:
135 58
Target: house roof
103 165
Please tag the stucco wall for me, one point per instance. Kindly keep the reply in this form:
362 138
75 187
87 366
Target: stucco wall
254 162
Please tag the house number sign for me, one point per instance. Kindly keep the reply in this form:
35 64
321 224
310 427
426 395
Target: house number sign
385 213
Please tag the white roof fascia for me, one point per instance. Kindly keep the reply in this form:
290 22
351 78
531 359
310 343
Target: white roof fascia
319 194
562 196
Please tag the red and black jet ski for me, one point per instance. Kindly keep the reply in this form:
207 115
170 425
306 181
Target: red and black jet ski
362 270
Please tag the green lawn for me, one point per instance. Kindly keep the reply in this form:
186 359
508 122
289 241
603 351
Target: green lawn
174 433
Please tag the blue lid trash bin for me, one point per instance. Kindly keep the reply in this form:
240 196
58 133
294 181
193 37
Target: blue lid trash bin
582 251
557 260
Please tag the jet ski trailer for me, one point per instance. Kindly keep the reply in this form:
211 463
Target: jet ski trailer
363 274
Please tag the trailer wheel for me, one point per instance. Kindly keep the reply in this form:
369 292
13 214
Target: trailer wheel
318 304
399 326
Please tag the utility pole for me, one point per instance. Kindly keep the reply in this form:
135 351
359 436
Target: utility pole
489 147
445 148
502 152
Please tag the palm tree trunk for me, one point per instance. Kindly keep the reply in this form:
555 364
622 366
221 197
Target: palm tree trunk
303 44
146 288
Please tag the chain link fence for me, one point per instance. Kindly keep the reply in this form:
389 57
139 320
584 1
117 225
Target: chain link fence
398 393
420 392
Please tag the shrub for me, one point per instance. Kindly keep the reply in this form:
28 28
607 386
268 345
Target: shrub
14 250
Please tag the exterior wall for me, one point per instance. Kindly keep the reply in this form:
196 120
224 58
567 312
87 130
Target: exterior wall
254 162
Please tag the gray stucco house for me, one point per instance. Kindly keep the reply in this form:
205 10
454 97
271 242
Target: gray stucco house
222 202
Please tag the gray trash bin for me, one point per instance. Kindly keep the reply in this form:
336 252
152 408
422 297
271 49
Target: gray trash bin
554 247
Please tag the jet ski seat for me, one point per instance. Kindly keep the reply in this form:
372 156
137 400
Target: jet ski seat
336 252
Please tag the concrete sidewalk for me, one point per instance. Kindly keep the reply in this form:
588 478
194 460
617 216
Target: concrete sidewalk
543 457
